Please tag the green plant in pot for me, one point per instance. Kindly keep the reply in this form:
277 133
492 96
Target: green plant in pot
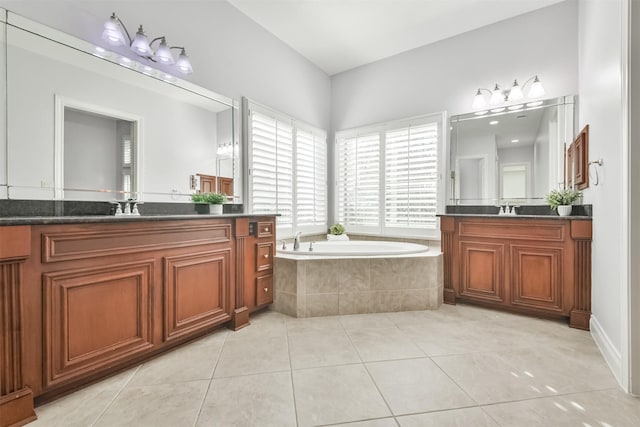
337 229
214 200
337 232
562 200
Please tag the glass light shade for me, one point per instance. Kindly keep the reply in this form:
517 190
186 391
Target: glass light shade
516 92
478 100
496 96
140 44
183 63
163 54
536 89
112 33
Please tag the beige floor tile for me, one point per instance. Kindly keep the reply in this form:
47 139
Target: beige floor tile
313 324
526 373
608 408
380 422
489 377
266 323
317 349
263 400
366 321
416 385
383 344
336 394
253 356
195 361
79 409
163 405
466 417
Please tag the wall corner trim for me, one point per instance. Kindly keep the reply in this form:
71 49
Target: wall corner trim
611 354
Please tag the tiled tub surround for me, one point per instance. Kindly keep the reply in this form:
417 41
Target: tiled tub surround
308 287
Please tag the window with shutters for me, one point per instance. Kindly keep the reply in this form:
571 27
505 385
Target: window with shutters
387 177
287 171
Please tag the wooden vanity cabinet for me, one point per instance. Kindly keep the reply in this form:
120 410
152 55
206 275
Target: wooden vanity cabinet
258 280
535 266
81 301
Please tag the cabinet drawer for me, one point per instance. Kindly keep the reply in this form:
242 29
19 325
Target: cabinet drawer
264 256
266 229
264 290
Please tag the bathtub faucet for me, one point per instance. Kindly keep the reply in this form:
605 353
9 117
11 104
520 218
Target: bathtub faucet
296 241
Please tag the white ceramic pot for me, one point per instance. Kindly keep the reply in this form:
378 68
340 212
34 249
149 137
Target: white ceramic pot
215 209
565 210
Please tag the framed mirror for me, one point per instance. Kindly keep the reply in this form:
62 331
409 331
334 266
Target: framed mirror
513 153
102 126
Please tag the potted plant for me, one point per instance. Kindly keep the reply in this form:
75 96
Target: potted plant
214 200
337 232
562 200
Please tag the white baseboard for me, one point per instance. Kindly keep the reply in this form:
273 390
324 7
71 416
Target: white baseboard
610 353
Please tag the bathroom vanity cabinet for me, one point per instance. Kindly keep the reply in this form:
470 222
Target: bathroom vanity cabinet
533 265
81 300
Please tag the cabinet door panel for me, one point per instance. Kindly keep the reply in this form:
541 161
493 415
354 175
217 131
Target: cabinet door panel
264 290
197 289
95 317
536 277
481 270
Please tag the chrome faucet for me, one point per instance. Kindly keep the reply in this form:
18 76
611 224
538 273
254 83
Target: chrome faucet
296 241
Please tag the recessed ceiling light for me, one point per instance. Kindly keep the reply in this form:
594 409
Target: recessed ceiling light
494 122
515 140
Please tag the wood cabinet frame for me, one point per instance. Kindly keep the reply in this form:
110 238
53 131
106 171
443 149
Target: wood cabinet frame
535 266
82 301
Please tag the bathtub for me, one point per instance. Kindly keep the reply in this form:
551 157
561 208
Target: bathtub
354 248
354 277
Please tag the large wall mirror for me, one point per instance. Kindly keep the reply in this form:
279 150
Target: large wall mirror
509 154
88 124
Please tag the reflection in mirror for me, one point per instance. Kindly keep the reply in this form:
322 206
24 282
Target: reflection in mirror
510 154
176 126
99 148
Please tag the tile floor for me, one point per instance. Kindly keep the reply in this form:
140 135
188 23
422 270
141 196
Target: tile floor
455 366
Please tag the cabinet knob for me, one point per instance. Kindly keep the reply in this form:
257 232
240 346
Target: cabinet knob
266 255
266 289
266 229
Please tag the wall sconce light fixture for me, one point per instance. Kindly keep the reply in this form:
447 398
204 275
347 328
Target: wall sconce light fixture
499 94
228 149
114 35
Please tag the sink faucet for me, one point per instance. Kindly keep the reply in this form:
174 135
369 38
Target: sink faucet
296 241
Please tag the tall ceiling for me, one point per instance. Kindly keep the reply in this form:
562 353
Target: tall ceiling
338 35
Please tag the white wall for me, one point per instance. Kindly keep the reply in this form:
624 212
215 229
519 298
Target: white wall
601 62
445 75
634 206
3 117
230 53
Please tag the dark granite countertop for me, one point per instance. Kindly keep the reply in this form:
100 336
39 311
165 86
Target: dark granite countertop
584 212
552 217
94 219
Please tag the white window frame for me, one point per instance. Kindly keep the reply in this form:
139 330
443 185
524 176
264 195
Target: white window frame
284 231
381 129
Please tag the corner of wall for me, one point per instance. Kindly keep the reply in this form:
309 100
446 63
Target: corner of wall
610 353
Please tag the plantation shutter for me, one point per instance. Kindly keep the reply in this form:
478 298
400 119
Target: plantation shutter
311 179
411 162
272 166
358 181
